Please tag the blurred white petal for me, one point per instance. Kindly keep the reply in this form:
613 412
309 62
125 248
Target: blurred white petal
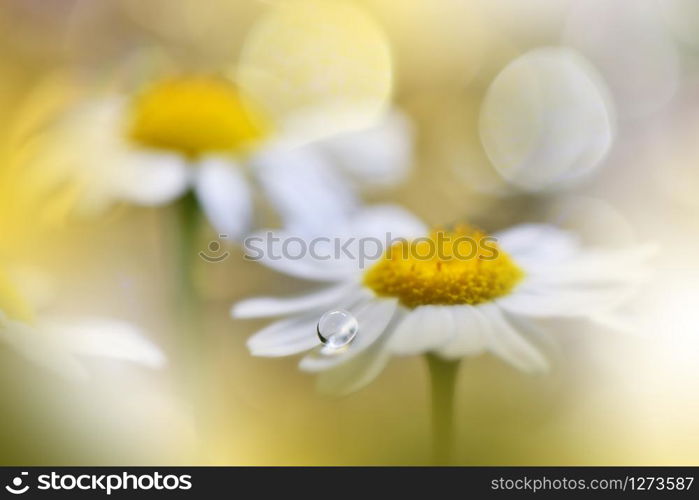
224 195
354 374
102 337
286 337
424 329
594 221
595 267
46 352
147 178
87 152
552 301
261 307
58 343
537 243
307 192
377 156
470 330
378 221
504 341
341 250
617 323
78 150
289 253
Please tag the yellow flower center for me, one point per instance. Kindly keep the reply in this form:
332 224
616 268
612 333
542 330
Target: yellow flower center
463 266
193 115
12 304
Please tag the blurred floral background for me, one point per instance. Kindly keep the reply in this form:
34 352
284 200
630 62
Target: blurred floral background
578 114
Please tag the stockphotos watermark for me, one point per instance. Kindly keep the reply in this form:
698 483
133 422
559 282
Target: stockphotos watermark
105 483
443 246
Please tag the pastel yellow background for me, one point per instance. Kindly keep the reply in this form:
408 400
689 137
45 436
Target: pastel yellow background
609 399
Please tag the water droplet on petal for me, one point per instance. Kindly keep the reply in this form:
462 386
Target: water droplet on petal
337 328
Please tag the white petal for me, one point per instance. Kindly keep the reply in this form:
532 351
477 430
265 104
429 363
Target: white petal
356 373
470 331
544 333
596 268
285 337
298 333
424 329
45 352
537 242
103 337
546 301
342 251
345 249
367 234
373 320
224 195
290 254
383 221
275 306
76 153
57 343
618 323
504 341
304 188
563 280
379 155
149 178
87 153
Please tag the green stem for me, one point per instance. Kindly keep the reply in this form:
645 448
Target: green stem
443 384
187 299
187 225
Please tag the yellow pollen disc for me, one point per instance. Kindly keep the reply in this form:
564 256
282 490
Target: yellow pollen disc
463 266
194 115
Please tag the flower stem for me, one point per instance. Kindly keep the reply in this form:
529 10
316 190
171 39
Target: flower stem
443 383
187 222
187 300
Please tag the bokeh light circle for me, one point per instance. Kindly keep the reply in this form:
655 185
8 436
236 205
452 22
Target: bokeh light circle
546 119
318 68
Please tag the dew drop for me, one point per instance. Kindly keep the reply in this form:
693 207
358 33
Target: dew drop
337 328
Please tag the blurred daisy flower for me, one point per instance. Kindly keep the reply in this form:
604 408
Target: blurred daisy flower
199 132
442 295
305 126
60 343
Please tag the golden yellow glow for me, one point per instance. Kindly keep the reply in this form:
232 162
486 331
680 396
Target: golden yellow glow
194 115
12 304
320 67
462 266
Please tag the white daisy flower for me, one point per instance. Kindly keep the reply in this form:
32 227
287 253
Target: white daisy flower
429 296
60 343
202 133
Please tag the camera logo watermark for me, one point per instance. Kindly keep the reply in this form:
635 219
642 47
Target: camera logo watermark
104 483
213 253
16 487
